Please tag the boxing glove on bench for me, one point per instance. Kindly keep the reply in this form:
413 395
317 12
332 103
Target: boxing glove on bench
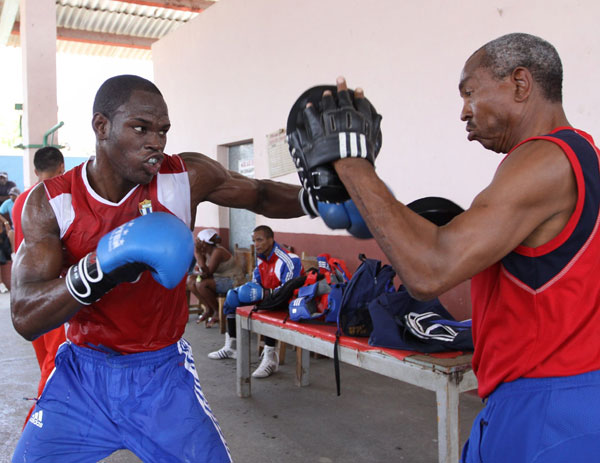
246 294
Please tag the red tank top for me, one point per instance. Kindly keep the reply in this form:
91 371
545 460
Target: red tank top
536 313
133 317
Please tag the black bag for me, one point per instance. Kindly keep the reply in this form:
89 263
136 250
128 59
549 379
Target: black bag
279 298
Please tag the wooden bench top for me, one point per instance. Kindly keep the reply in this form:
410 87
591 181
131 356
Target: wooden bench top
327 333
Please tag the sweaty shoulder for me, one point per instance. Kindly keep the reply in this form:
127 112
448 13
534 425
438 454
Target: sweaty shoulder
38 218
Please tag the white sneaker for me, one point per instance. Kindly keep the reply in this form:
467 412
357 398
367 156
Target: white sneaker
227 351
3 288
269 363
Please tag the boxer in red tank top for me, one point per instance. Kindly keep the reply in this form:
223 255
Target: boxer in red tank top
125 378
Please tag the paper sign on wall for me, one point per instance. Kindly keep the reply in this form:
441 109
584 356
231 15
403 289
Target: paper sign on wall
280 161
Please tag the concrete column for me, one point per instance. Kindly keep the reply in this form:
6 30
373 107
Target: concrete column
38 47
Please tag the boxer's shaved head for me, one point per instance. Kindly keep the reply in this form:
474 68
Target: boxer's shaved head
116 91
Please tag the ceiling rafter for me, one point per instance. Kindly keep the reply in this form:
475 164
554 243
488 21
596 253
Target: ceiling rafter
185 5
100 38
127 24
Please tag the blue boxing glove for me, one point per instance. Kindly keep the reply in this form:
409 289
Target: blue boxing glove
251 292
247 294
159 242
335 216
358 227
344 216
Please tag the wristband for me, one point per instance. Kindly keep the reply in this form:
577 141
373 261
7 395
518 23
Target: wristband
85 280
307 203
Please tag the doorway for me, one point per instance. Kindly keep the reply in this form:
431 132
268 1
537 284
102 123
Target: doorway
241 221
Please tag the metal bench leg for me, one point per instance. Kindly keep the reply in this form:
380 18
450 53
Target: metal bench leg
448 423
302 367
243 360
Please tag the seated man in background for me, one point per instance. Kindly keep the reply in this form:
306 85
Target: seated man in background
48 162
274 267
217 273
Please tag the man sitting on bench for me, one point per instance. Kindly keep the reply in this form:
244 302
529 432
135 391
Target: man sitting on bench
274 267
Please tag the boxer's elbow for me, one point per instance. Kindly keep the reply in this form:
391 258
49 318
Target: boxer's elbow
22 322
425 286
23 327
422 292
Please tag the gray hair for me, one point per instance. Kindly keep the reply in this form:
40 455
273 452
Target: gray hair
504 54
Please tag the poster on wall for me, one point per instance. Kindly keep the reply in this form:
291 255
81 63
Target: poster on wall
280 161
246 167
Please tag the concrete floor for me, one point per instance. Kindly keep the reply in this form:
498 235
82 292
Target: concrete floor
376 419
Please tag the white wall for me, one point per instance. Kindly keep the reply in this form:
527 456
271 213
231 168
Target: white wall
233 73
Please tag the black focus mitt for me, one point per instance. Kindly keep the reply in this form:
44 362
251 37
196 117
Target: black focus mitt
334 127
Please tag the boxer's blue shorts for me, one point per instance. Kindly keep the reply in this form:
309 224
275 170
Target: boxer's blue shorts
95 403
539 420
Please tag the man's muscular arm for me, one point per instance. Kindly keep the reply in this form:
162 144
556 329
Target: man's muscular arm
210 181
40 300
529 201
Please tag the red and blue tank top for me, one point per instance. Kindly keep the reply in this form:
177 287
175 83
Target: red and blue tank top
536 313
133 317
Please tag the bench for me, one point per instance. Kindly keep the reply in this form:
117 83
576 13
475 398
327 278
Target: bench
447 374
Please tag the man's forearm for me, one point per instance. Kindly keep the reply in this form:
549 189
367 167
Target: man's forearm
279 200
39 307
407 240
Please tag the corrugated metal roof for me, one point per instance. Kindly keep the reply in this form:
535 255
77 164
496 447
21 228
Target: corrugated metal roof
114 17
107 19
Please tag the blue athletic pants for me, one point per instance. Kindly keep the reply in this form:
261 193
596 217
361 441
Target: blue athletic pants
95 403
539 420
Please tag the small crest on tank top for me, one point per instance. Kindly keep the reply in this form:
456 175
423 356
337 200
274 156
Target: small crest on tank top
145 207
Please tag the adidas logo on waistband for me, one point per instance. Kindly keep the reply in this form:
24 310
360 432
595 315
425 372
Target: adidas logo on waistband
36 418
